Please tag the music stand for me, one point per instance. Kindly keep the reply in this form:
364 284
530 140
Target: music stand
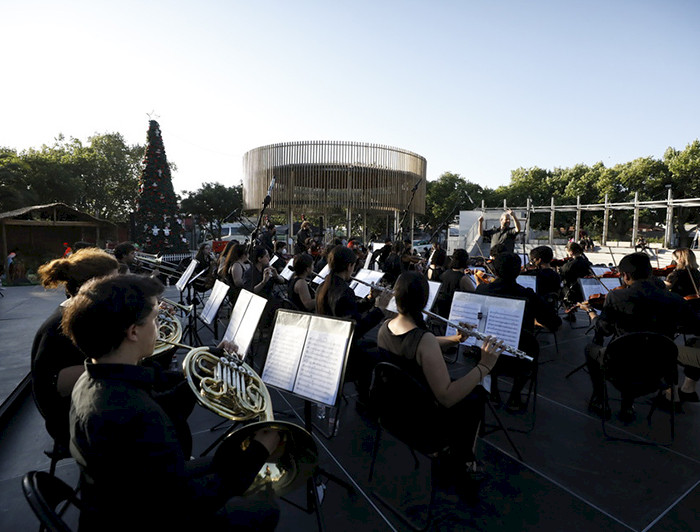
210 312
307 357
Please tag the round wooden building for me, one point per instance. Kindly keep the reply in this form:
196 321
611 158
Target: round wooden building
335 178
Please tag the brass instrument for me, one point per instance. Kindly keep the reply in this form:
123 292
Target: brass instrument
169 330
186 308
469 332
229 387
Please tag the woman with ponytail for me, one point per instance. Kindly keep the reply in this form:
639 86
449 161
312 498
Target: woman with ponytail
419 352
56 363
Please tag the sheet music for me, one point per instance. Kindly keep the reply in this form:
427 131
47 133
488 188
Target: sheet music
502 317
307 355
464 311
249 324
504 324
433 288
600 270
185 277
218 293
285 350
322 274
368 276
322 362
274 259
595 286
368 259
524 258
288 270
244 320
527 281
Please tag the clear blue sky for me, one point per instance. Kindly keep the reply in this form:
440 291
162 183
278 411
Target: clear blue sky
477 88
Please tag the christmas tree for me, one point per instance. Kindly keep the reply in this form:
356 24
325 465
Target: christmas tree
159 227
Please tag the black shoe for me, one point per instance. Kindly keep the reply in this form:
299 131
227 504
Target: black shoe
688 397
597 408
627 414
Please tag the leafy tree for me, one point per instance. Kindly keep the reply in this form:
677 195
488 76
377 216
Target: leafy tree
211 204
448 195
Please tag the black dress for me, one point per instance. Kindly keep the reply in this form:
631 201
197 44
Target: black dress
458 424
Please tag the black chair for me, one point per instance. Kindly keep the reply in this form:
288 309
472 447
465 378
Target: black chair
552 299
639 364
406 409
49 498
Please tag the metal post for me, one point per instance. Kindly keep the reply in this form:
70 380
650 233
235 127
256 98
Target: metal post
606 215
411 231
551 223
578 215
668 236
635 221
527 220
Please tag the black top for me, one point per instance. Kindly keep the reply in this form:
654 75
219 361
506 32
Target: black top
392 268
502 236
341 302
548 282
449 284
571 272
253 277
134 473
403 347
292 295
644 307
52 351
302 236
682 283
535 307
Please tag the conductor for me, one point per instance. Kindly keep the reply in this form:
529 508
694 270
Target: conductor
504 234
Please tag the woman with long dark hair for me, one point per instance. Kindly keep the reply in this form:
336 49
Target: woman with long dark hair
298 290
419 352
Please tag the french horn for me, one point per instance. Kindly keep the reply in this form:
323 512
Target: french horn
229 387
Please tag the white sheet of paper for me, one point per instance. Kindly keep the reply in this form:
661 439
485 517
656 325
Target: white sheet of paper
504 324
288 271
528 281
321 365
368 276
368 259
246 331
599 270
285 350
322 274
595 286
185 277
433 288
211 307
463 311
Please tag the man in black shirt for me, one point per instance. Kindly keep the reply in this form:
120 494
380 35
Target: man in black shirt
505 234
134 475
506 267
642 306
577 267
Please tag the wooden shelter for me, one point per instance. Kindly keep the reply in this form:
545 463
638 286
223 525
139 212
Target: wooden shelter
334 177
39 231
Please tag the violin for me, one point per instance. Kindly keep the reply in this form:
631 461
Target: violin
483 277
558 263
663 272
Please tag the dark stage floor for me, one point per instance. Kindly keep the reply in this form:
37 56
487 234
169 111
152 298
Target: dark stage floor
570 478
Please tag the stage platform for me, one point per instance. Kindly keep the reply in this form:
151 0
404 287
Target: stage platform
570 477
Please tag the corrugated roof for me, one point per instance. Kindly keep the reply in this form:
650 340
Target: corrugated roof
83 216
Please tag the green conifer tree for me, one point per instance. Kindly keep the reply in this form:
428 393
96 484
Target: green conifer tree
159 226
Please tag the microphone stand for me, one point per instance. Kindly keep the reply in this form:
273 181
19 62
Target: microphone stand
265 204
399 233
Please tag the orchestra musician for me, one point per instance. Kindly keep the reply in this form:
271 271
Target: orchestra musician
571 271
298 290
55 362
548 280
335 298
301 237
125 253
392 264
506 267
504 234
419 352
261 279
642 306
236 265
684 280
134 474
438 263
206 262
453 280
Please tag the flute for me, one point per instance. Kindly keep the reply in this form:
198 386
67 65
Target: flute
511 351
